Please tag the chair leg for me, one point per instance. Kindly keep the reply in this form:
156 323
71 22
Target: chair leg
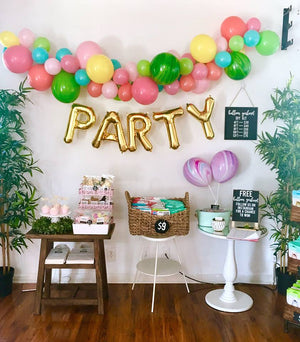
154 278
183 274
136 273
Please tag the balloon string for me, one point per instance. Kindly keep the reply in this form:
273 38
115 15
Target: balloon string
218 189
213 195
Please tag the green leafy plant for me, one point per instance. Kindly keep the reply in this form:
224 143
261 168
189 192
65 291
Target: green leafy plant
43 225
18 199
281 151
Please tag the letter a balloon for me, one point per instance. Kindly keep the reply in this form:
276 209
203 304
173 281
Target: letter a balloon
197 172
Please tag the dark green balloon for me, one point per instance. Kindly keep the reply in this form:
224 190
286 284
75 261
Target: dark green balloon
65 88
240 66
165 68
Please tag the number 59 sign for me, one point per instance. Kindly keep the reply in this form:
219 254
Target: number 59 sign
161 226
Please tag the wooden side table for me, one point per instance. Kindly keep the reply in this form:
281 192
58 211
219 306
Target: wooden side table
45 270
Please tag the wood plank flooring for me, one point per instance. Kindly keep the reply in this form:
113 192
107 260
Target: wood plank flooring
178 317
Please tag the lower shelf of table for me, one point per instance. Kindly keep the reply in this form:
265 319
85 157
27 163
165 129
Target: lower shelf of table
50 266
291 313
165 267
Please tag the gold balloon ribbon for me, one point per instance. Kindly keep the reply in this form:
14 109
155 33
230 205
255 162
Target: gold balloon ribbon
140 133
204 116
168 117
74 121
102 134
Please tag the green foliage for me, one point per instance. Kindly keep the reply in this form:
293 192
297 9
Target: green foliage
44 225
281 151
18 199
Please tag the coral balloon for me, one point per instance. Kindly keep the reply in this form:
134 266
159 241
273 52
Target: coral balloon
94 89
240 66
233 26
124 92
52 66
100 68
187 83
8 39
165 68
197 172
144 90
214 71
39 78
86 50
26 37
70 63
269 43
17 59
224 166
65 88
203 48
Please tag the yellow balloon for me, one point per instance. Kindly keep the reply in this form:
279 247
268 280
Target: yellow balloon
203 48
100 68
8 39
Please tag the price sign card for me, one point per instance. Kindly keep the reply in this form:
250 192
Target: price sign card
245 205
241 123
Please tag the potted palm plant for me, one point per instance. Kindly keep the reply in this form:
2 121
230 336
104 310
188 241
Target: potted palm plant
281 151
18 199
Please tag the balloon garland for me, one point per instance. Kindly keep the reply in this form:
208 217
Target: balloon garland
193 72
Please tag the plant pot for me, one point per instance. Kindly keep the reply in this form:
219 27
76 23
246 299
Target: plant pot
6 281
284 280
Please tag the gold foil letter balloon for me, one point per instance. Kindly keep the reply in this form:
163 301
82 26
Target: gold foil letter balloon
168 117
102 134
204 117
139 133
74 121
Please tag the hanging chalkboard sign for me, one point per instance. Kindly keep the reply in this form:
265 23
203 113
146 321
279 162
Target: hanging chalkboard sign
241 123
245 205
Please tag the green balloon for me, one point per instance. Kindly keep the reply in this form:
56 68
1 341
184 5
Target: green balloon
42 42
269 43
165 68
186 66
65 88
240 66
143 67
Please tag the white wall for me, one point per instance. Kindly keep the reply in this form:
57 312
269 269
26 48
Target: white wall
129 31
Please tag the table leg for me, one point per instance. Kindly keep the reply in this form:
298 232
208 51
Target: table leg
229 299
40 277
48 271
101 276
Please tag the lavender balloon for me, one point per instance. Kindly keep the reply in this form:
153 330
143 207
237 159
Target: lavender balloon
224 166
197 172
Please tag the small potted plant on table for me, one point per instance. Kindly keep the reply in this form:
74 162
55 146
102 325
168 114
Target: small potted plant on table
18 199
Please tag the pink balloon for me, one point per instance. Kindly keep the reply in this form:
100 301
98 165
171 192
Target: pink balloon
110 90
201 86
17 59
197 172
172 88
144 90
121 76
224 166
94 89
26 37
132 70
70 64
253 24
38 77
199 72
222 44
187 82
189 55
52 66
214 71
86 50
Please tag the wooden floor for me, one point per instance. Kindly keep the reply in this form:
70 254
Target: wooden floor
178 316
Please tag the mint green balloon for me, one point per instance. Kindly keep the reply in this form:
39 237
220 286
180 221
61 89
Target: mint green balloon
65 88
186 66
42 42
143 67
269 43
165 68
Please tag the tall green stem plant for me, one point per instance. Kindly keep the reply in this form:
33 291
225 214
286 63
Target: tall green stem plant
281 151
18 199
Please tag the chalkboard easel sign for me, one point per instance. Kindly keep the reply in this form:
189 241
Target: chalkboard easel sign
245 205
240 123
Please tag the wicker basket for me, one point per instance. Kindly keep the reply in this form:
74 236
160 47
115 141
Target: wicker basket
142 223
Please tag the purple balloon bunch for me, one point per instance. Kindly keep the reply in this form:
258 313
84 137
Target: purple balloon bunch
222 168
